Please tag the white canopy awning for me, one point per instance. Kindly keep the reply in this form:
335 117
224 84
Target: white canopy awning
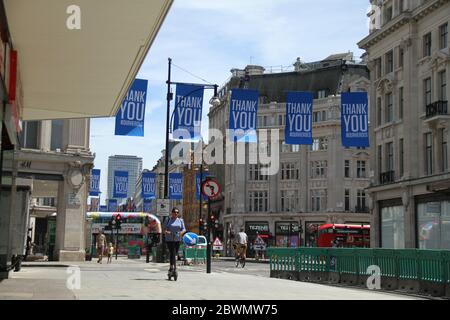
80 73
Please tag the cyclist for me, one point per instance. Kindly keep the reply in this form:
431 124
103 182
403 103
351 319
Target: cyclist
241 244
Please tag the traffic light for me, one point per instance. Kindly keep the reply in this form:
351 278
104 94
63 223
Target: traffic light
118 221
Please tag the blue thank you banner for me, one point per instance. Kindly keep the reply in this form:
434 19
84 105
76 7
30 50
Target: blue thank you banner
148 185
198 183
355 119
299 106
147 205
95 183
243 113
188 111
112 205
120 184
175 186
131 115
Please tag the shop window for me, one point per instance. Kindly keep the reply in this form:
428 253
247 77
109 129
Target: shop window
393 227
434 225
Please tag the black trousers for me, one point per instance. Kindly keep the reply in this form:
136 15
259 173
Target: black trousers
173 247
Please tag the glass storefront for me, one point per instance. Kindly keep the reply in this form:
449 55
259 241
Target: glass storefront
433 225
287 234
393 227
253 229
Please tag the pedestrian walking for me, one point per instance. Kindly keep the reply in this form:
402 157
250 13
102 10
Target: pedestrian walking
101 246
110 252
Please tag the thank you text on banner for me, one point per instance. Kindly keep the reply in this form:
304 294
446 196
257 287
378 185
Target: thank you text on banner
148 185
95 183
299 107
188 111
120 184
131 115
355 119
243 113
176 186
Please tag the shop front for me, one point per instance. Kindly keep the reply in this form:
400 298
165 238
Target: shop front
287 234
253 229
433 223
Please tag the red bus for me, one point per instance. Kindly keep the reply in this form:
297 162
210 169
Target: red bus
344 235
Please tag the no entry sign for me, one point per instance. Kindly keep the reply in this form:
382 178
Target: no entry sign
211 188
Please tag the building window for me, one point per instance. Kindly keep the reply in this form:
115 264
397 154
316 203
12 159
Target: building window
361 201
388 14
427 91
444 134
258 172
380 159
434 225
258 201
321 94
57 133
393 227
289 171
295 147
443 36
285 148
389 156
318 200
361 169
289 200
319 169
262 121
443 86
401 101
319 144
379 112
389 108
390 62
347 169
29 135
378 70
347 200
401 157
401 6
427 45
280 120
428 153
401 57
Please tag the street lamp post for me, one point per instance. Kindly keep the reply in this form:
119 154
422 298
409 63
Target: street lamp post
214 101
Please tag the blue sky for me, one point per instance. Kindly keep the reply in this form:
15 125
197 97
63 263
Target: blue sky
210 37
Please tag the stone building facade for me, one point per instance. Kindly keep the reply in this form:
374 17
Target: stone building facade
407 52
323 183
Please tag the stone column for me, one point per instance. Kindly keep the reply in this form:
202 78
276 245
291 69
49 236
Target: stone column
70 221
410 220
45 135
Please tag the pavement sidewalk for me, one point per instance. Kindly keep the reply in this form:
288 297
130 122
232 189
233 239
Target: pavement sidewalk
134 279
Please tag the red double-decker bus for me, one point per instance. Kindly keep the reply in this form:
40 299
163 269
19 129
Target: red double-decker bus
344 236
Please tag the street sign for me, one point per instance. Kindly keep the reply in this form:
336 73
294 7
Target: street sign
163 207
217 245
211 188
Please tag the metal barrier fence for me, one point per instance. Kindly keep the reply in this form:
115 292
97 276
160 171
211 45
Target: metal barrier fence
407 270
195 254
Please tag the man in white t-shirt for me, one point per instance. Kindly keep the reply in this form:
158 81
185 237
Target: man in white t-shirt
241 244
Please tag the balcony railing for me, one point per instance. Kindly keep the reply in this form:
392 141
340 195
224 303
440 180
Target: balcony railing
437 108
387 177
361 209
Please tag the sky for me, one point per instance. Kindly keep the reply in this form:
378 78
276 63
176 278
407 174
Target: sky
208 38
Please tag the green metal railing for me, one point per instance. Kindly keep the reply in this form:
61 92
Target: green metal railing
197 254
402 264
